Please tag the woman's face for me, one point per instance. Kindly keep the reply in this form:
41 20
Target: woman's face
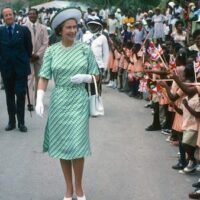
179 27
157 12
69 30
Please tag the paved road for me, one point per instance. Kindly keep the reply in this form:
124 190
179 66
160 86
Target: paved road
127 162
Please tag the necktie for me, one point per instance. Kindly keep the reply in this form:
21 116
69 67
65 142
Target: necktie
9 32
34 30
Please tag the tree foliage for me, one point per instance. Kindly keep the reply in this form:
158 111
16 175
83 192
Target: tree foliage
125 5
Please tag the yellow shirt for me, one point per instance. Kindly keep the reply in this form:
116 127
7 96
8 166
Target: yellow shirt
127 20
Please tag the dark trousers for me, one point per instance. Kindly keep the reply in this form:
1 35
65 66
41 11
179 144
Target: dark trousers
15 89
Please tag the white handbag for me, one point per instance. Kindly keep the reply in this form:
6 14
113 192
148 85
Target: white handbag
96 103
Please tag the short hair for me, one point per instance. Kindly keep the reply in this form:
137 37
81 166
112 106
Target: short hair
58 29
34 9
7 7
179 22
177 47
196 33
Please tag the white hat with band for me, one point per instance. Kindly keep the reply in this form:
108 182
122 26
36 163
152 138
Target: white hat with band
65 14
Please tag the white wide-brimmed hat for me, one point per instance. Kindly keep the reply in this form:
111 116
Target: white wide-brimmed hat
65 14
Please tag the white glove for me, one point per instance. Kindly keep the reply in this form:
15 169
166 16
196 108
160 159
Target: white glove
81 78
39 108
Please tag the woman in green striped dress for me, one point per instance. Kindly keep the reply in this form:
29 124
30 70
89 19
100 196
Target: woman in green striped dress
71 64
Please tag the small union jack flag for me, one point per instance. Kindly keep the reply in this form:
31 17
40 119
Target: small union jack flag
154 52
172 62
143 85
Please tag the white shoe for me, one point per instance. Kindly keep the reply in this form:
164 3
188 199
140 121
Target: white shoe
67 198
81 198
110 84
190 167
168 139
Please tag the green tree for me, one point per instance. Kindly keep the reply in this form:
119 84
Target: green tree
124 4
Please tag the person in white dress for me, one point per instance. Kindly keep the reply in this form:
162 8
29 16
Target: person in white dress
158 19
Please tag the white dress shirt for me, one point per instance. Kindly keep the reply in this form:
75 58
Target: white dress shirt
101 51
99 46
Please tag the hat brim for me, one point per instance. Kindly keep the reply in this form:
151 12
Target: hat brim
66 14
94 22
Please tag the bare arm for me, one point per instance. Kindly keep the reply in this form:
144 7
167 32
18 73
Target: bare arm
178 110
172 97
42 84
191 110
186 89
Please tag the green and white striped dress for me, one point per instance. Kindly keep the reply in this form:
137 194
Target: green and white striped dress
67 130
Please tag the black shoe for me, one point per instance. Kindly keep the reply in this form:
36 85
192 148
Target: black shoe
22 128
152 128
10 127
196 185
179 166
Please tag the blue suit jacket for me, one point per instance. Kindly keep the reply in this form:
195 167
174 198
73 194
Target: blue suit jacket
15 53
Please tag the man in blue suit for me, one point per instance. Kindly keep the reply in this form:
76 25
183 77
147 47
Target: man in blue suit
15 53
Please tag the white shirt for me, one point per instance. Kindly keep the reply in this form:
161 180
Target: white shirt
139 17
178 10
118 16
112 25
99 46
138 36
101 51
87 38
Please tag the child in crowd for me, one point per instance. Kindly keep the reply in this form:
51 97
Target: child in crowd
189 124
175 95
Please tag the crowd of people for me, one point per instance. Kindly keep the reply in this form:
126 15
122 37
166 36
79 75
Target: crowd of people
152 55
155 56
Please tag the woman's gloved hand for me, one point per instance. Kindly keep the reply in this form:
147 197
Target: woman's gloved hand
81 78
39 108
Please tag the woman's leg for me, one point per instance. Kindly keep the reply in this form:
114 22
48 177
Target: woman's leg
78 165
67 171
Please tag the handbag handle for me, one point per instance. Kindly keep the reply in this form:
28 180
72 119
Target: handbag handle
95 85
